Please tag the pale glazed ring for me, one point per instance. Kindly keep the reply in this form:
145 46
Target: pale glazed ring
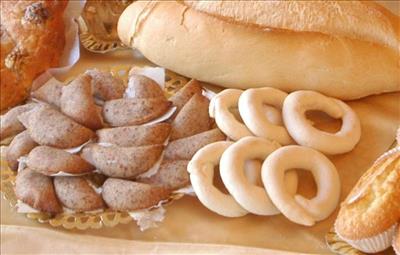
273 115
220 109
251 197
201 170
252 111
298 208
294 108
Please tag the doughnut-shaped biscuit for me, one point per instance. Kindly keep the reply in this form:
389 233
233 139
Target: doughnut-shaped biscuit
252 110
251 197
201 170
299 102
299 209
220 109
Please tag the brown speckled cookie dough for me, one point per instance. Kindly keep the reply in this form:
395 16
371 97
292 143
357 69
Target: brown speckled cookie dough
105 85
122 162
123 195
172 174
184 94
50 93
47 126
192 119
75 193
9 123
135 135
47 160
37 191
140 86
21 145
133 111
185 148
78 103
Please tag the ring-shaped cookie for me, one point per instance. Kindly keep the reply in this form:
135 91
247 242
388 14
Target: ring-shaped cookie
253 113
220 108
201 170
298 208
298 103
251 197
273 115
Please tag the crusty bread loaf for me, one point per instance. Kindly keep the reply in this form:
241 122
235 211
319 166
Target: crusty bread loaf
32 40
344 49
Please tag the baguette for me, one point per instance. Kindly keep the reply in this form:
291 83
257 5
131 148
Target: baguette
343 49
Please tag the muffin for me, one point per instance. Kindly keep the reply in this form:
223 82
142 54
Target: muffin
369 216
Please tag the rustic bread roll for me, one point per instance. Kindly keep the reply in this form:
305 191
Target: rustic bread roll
344 49
32 40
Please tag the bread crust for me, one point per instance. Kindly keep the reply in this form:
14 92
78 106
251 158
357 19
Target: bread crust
361 20
32 39
232 54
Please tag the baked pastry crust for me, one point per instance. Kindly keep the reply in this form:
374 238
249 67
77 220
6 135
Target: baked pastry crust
373 206
32 39
302 45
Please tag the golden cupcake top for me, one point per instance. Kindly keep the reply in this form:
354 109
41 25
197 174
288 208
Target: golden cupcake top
373 206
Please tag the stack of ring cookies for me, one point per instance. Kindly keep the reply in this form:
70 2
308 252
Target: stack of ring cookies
273 114
268 118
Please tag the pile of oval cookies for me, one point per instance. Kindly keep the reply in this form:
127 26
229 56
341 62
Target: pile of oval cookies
94 144
272 126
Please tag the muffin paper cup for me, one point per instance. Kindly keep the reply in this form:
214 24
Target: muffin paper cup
375 243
